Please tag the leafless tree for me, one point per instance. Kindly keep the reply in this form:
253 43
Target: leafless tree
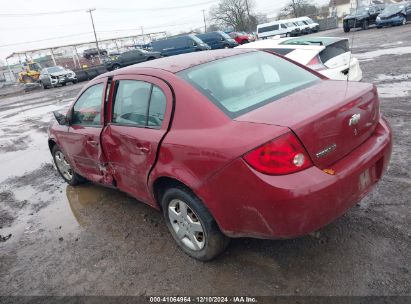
237 14
298 8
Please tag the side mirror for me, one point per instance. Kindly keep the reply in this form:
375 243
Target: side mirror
194 43
61 119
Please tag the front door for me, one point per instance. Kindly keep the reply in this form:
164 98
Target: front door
138 119
81 142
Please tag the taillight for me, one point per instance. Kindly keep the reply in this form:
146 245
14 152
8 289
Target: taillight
283 155
316 64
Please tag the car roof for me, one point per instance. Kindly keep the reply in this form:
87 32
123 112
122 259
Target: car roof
177 63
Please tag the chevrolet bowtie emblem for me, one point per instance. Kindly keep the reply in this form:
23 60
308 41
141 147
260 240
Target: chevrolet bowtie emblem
354 120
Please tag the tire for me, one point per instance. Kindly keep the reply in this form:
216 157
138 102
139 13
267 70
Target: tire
116 66
204 244
244 41
72 178
28 79
404 20
365 25
64 84
346 29
150 58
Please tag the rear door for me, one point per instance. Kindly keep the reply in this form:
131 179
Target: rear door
81 142
138 118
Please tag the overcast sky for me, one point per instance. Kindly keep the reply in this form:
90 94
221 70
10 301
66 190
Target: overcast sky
19 32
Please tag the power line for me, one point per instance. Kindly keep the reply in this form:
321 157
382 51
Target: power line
107 9
40 13
157 8
47 39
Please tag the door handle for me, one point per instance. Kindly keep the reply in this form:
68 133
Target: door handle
143 149
92 142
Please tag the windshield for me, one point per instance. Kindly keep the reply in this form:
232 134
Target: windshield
241 83
225 35
299 23
392 9
55 69
196 39
360 11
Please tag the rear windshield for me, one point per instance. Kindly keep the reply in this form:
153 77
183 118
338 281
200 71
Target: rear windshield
334 50
280 51
242 83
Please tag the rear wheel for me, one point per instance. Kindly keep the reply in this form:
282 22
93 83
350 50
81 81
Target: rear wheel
64 168
28 79
191 225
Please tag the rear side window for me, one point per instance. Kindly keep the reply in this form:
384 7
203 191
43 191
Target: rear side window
157 107
86 110
138 103
334 50
241 83
268 28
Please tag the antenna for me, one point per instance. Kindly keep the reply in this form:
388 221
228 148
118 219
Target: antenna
351 47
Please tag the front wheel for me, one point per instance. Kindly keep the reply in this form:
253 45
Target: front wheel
64 167
191 225
365 25
404 21
346 29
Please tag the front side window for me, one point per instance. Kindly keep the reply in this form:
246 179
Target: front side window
138 103
87 108
241 83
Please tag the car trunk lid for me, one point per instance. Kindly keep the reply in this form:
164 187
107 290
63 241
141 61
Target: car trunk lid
329 125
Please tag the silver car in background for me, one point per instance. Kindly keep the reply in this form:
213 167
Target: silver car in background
53 76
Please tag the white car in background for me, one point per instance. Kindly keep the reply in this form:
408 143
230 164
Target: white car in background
330 56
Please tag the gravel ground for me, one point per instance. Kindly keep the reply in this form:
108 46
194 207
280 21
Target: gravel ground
90 240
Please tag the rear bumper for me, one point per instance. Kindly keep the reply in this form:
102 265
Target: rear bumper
352 71
247 203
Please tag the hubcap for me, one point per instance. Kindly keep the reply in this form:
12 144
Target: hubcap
186 225
63 165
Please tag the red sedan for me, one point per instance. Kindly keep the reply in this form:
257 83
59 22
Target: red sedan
227 143
241 37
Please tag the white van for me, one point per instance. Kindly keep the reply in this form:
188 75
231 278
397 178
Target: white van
314 26
274 28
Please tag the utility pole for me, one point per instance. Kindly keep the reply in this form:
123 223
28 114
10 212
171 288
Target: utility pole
248 14
205 24
94 30
142 35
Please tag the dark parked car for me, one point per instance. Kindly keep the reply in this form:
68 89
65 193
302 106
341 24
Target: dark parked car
226 143
362 17
90 53
53 76
179 45
129 58
395 14
218 40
